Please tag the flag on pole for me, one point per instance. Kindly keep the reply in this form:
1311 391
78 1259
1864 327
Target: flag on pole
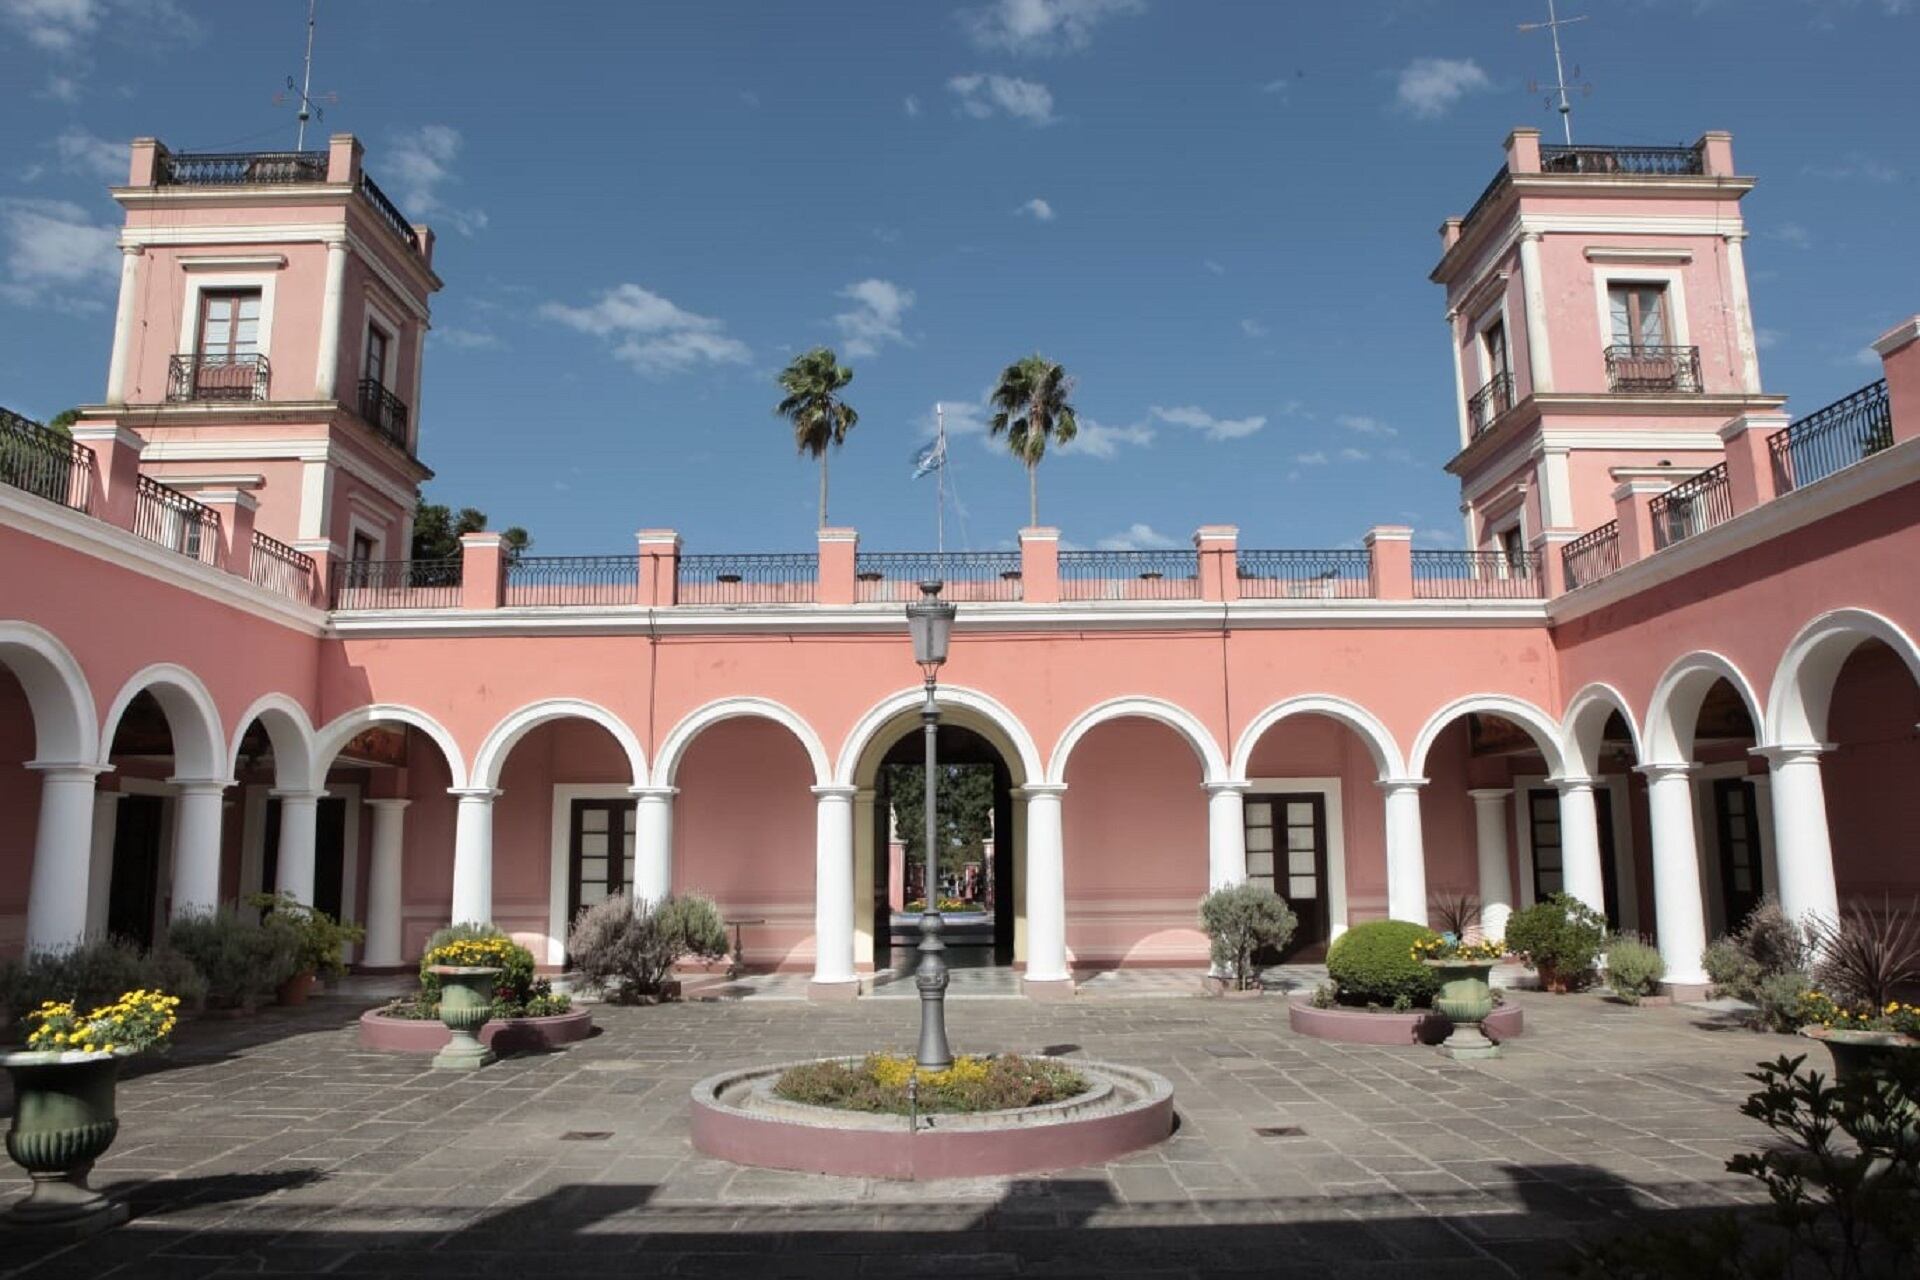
934 456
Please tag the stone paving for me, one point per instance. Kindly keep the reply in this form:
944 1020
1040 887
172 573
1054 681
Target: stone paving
274 1145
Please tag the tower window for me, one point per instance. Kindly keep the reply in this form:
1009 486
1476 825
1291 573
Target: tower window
229 325
1639 314
378 344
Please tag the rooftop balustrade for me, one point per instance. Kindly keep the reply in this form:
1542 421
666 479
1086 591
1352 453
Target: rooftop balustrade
549 581
396 584
1305 575
749 578
1476 575
275 566
274 169
1692 506
1129 575
964 575
202 376
1849 430
43 462
1591 556
166 516
1600 161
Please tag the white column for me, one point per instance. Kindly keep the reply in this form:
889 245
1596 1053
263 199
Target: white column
473 855
196 845
383 883
326 379
123 323
863 855
106 826
1406 850
1678 909
1046 885
1227 834
833 885
62 853
1490 807
1539 354
1580 868
652 844
1455 339
1743 333
1802 845
293 867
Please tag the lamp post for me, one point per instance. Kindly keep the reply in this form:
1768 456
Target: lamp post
930 620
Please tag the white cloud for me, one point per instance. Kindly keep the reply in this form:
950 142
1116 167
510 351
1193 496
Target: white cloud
1362 425
1254 329
911 105
62 88
1277 85
1791 233
1136 537
983 96
1037 209
465 339
1213 268
1041 26
418 165
874 321
1209 426
1442 538
1430 87
1098 440
1767 338
1351 454
1855 165
651 333
65 27
55 245
1867 358
85 153
1317 458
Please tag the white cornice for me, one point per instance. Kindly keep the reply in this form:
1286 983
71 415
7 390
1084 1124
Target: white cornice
1497 468
233 261
175 234
1626 253
236 450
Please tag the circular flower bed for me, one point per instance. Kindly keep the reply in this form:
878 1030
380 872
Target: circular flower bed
528 1014
891 1084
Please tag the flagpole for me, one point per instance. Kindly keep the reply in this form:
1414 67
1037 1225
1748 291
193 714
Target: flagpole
940 480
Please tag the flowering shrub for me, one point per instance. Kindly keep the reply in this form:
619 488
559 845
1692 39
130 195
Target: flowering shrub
943 904
136 1022
879 1083
475 953
517 992
1448 946
1821 1009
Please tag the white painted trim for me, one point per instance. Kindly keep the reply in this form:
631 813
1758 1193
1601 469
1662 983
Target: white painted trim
1023 758
1544 732
371 312
1213 765
1334 799
359 522
1588 704
1605 276
66 727
561 800
1706 837
691 725
336 733
1686 682
193 720
281 233
289 730
231 261
1379 741
198 285
253 844
309 451
1636 255
1803 681
500 741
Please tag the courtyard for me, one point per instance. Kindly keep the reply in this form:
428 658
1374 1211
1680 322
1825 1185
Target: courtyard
275 1145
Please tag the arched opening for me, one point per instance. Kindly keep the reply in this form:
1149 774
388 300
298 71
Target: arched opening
1734 815
1603 745
1872 804
47 720
139 846
20 797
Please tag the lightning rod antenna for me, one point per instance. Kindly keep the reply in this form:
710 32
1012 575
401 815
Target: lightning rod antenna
306 81
1560 86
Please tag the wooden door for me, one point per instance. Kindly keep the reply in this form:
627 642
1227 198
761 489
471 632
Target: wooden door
1287 852
1737 821
132 896
329 853
1549 874
599 851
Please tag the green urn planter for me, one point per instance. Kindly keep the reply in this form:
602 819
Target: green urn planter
1862 1053
466 1002
63 1120
1466 998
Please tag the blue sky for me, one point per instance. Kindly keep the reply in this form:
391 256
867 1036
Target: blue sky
1219 216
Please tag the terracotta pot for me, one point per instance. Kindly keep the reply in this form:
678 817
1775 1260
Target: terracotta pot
63 1120
295 990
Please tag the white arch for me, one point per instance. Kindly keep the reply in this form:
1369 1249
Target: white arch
492 755
979 704
1586 720
1676 700
65 729
1539 726
339 731
193 720
1802 691
1213 766
290 732
1380 743
691 725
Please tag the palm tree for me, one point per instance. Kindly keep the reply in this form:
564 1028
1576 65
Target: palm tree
812 403
1031 407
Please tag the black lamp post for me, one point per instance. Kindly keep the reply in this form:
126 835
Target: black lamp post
930 619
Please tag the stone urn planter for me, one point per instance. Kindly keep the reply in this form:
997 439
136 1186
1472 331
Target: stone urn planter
1466 998
63 1120
466 1002
1862 1053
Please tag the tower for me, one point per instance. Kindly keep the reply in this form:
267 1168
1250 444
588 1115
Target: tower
1597 309
269 338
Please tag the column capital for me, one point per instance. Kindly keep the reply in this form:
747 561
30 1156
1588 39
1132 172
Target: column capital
653 793
835 791
67 771
1573 782
386 802
474 795
1392 785
1661 772
1041 790
1487 795
866 795
1226 788
200 786
1791 753
298 793
132 250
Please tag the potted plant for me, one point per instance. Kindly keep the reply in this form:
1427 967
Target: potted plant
465 968
64 1117
1464 993
1561 938
1241 921
319 942
1865 957
242 960
1862 1041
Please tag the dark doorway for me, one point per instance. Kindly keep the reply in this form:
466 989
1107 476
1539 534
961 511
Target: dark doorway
1287 853
329 853
970 944
1737 821
1549 866
599 851
133 893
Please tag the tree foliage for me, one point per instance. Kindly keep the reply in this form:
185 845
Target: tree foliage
437 529
810 400
963 811
1031 408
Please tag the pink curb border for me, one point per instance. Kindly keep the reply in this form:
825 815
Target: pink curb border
1358 1026
510 1035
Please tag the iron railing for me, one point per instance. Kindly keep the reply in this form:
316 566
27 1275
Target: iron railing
1306 575
1831 439
1591 556
1476 575
964 575
535 581
44 462
1485 406
396 584
1631 367
384 411
241 168
217 377
1637 162
389 212
1692 506
169 517
749 578
1501 180
1129 575
278 567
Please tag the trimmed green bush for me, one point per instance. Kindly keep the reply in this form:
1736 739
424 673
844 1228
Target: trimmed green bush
1373 964
1634 968
1242 920
1561 938
629 955
96 973
241 959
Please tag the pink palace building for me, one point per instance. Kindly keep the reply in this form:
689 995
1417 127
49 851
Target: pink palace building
1676 672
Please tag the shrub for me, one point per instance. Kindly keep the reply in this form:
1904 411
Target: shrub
1373 964
517 991
879 1084
242 960
630 955
320 941
1634 968
1561 938
1867 957
1453 912
1242 920
95 973
1763 963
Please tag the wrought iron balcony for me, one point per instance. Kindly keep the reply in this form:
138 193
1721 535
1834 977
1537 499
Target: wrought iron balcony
278 567
1635 162
1485 406
1341 574
1592 556
1476 575
166 516
548 581
967 575
217 377
385 412
241 168
389 212
44 462
1692 506
1634 368
1129 575
396 584
1828 440
748 578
